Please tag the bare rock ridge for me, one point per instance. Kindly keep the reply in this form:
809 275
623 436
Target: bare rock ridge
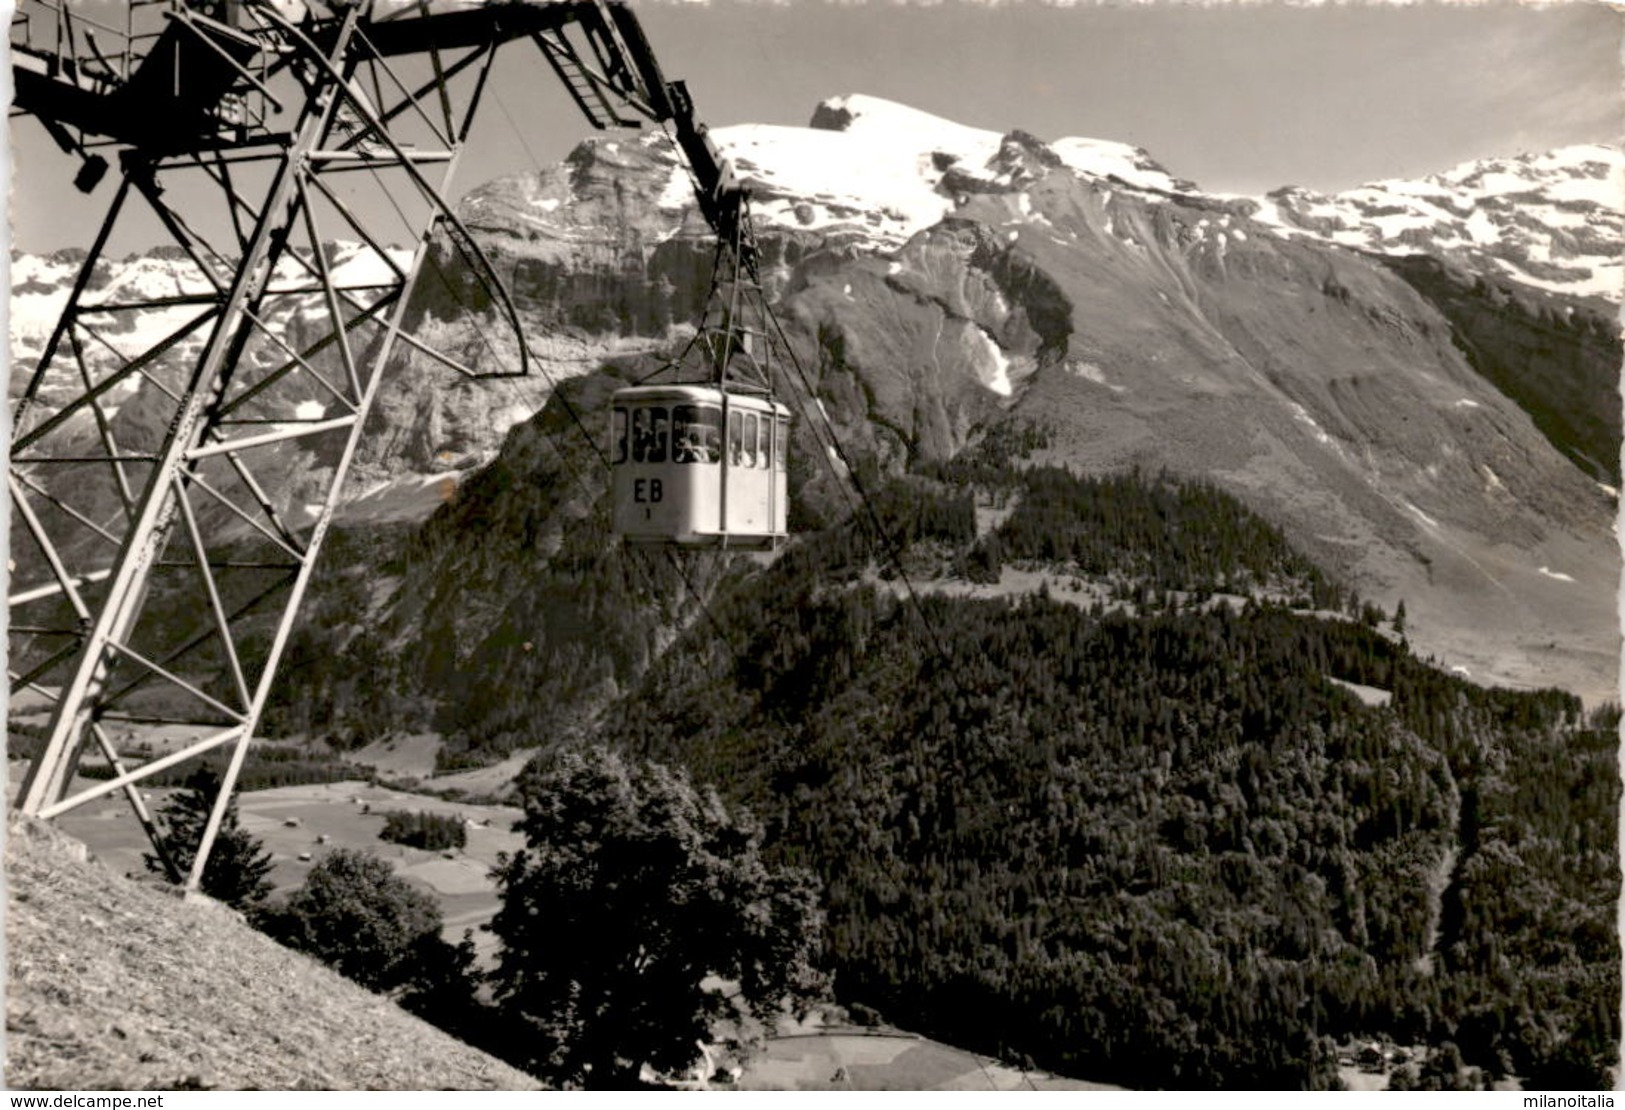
117 985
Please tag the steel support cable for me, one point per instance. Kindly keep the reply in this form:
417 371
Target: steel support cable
592 441
891 550
722 245
507 377
553 385
834 444
576 476
409 99
603 458
450 288
363 313
473 315
750 264
890 547
502 107
564 401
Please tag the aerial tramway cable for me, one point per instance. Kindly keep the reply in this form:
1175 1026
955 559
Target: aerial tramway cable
821 427
577 477
819 423
373 128
830 446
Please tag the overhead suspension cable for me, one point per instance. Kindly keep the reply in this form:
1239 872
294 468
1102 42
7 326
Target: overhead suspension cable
826 437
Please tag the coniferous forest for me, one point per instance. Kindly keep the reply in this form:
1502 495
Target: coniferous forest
1149 840
1185 813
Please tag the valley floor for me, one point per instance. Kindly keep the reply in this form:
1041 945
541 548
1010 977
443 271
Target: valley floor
303 820
841 1058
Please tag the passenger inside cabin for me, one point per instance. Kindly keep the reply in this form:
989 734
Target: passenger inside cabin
687 449
696 444
697 434
649 435
642 434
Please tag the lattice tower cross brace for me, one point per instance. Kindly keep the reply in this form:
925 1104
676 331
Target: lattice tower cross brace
191 429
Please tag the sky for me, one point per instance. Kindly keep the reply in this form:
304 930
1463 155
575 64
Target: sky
1239 98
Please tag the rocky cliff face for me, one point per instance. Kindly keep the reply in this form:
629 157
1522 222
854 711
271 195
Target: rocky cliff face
1411 424
1556 357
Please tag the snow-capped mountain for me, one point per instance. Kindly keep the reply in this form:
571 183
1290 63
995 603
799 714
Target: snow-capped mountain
887 171
1555 221
1436 436
881 172
41 285
866 172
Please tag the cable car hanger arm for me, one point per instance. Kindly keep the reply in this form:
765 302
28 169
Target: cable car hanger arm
626 68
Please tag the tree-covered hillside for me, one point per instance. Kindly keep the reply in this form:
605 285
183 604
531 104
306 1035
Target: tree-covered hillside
505 621
1154 843
1134 825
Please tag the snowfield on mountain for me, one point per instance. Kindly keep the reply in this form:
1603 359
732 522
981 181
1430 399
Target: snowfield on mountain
1550 220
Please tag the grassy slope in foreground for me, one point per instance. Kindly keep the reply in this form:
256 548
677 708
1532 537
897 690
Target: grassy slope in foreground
120 986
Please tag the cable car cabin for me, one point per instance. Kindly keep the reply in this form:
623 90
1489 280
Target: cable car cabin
698 466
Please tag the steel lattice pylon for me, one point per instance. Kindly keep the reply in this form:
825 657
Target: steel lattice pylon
157 567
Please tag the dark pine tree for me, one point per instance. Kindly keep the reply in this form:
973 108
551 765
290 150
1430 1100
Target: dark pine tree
238 864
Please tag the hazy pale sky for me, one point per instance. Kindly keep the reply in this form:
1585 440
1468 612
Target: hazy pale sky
1236 97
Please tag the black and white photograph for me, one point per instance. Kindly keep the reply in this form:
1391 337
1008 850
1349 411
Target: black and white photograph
818 545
